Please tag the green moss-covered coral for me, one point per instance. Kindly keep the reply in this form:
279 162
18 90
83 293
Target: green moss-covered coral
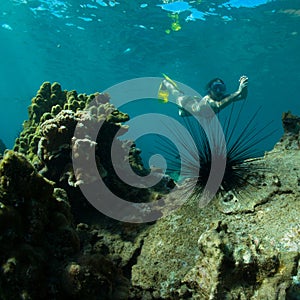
53 115
49 101
48 140
19 178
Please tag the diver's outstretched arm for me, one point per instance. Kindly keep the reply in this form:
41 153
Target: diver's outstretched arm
240 94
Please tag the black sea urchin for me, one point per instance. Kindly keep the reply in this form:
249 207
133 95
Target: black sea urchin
235 146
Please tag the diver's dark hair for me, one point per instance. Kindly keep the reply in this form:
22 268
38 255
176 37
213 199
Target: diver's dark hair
209 84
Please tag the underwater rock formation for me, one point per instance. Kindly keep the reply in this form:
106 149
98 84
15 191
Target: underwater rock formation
41 204
2 147
54 245
48 140
291 126
53 116
240 247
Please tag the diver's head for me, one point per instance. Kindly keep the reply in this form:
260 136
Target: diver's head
216 88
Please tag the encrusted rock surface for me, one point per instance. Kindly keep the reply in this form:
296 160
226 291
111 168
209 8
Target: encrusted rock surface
231 249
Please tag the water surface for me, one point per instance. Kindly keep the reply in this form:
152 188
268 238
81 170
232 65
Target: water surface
91 45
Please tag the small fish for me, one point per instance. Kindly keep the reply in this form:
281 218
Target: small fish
6 26
127 50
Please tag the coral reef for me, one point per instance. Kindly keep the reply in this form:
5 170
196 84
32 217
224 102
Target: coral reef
41 203
48 102
55 245
48 139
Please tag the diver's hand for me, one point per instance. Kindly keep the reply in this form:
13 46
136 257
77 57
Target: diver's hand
243 88
243 83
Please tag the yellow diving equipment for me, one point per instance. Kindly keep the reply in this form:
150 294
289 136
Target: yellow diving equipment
163 93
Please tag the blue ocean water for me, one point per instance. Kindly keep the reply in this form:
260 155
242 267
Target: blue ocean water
91 45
